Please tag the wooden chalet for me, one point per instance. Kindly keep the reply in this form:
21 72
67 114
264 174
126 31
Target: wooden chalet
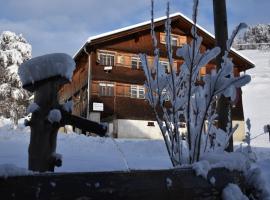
107 85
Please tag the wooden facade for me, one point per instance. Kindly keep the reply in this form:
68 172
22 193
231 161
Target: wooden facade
111 65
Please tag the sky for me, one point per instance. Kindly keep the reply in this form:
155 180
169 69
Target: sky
64 25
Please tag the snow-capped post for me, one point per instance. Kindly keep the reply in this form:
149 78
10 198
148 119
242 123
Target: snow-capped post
44 75
221 36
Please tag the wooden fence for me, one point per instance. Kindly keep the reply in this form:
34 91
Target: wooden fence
140 185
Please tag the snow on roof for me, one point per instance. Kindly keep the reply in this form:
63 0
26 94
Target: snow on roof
155 20
129 27
43 67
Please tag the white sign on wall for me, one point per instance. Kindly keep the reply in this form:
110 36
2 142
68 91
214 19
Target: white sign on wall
98 106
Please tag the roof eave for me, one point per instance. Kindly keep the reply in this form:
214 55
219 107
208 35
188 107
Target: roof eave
103 35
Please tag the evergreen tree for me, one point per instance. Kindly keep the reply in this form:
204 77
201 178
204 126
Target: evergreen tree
14 50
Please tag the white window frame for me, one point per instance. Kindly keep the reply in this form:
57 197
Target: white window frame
105 86
138 62
174 38
107 55
135 91
163 63
164 92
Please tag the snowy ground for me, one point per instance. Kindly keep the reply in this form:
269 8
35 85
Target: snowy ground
256 95
81 153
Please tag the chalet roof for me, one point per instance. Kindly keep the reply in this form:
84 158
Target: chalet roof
178 14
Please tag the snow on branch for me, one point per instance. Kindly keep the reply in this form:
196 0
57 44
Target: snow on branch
33 107
68 106
54 116
181 96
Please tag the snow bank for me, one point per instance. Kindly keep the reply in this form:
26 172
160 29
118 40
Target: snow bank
256 178
255 96
43 67
85 154
7 170
201 168
231 161
233 192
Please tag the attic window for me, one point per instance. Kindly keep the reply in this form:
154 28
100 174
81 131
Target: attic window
176 40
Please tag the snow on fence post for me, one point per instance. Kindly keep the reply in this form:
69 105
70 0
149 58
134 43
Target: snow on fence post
44 75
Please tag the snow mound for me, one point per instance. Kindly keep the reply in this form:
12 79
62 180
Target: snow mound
257 179
201 168
7 170
231 161
233 192
47 66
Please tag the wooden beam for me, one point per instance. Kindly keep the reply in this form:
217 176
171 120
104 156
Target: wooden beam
144 185
221 35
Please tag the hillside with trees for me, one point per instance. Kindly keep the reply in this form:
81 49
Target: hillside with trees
255 37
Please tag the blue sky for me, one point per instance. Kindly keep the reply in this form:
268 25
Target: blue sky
64 25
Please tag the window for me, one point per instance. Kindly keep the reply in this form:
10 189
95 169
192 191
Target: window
165 94
166 66
201 73
106 89
137 91
106 58
136 63
150 124
174 41
120 59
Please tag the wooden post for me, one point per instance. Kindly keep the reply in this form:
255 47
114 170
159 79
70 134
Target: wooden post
43 133
221 35
42 147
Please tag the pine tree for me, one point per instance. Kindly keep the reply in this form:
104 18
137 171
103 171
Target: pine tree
14 50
